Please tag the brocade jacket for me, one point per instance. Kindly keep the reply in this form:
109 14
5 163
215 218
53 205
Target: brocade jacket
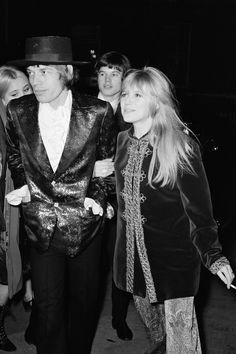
57 199
163 234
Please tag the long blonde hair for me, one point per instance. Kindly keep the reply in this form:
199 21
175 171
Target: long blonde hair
169 135
7 74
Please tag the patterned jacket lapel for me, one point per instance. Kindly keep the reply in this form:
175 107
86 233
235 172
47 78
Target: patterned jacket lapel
79 131
28 121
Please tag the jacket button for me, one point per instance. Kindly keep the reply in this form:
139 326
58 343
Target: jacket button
56 204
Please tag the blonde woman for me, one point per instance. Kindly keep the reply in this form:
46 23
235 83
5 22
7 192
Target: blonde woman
165 220
13 84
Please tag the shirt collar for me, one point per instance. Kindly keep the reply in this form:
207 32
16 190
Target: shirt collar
66 106
113 103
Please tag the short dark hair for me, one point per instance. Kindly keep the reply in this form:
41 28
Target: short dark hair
113 60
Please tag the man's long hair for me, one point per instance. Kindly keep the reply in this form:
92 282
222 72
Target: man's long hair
69 79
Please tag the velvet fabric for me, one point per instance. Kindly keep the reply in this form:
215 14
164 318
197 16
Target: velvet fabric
122 125
10 257
3 151
179 228
57 199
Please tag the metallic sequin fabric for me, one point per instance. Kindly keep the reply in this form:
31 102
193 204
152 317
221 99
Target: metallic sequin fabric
57 197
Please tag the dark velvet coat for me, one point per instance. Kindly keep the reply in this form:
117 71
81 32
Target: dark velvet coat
57 199
3 148
122 125
178 226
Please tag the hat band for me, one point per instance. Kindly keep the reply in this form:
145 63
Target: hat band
46 57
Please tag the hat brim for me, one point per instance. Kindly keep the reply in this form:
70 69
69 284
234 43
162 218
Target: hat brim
24 62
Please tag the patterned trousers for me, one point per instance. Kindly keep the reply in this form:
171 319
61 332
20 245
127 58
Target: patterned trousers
171 327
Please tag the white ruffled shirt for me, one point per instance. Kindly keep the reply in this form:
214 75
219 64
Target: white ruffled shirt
54 126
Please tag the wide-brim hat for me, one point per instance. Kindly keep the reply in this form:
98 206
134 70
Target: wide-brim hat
47 50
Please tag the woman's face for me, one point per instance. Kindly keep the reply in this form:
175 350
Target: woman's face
135 105
18 87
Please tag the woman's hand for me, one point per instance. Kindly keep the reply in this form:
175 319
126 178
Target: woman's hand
103 168
226 274
96 208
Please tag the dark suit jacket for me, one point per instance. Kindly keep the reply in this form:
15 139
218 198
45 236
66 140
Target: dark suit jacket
57 199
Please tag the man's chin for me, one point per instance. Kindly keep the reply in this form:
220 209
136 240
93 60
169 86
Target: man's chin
41 99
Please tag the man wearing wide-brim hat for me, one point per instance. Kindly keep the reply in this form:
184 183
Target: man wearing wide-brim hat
54 138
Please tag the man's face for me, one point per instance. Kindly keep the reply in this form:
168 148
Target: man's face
109 82
46 83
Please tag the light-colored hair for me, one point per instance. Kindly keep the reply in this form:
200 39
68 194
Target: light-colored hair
169 135
7 74
68 78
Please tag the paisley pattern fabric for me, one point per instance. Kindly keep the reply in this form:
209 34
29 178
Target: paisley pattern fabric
153 318
181 327
172 327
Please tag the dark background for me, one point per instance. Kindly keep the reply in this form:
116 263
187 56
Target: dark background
192 41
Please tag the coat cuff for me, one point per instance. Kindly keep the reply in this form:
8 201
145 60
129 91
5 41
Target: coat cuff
217 265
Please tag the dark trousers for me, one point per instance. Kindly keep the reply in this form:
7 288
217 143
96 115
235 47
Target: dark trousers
120 298
66 292
120 303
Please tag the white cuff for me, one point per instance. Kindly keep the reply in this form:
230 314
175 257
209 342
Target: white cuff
19 195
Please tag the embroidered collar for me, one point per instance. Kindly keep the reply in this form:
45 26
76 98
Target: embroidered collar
133 137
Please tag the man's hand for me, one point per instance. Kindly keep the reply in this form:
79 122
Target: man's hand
96 208
103 168
18 196
110 211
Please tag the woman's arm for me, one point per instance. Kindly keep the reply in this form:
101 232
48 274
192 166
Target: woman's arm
196 198
13 152
102 186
